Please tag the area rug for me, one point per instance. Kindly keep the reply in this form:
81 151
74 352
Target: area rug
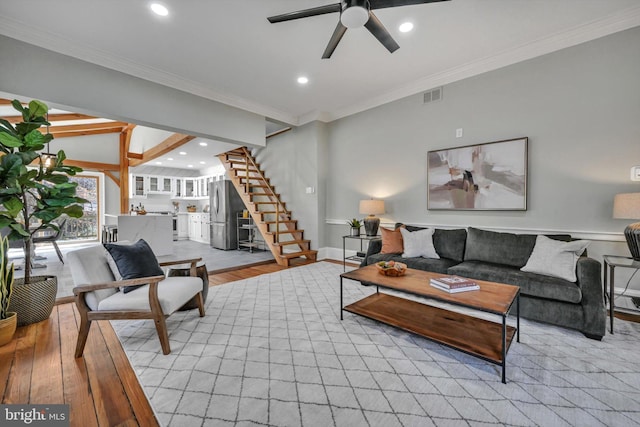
273 351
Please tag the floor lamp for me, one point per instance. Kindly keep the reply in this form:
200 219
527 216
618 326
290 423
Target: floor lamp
627 206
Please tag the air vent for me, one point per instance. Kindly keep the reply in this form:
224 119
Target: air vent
433 95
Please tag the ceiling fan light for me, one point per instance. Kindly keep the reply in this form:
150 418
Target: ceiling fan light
354 16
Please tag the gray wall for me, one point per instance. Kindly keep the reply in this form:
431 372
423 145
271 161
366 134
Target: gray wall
31 71
295 161
580 108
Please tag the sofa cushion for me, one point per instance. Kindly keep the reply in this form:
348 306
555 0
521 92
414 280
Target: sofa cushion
557 259
427 264
418 243
448 243
134 261
499 248
173 293
531 284
391 241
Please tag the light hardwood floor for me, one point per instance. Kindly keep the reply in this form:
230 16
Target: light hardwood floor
101 388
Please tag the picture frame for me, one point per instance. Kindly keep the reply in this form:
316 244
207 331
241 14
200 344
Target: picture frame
488 176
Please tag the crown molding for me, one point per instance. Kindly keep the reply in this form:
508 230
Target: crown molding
614 23
73 48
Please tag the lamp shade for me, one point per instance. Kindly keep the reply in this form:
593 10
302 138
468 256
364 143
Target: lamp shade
625 206
371 207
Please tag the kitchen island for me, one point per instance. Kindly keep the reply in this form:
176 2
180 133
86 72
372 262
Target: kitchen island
156 230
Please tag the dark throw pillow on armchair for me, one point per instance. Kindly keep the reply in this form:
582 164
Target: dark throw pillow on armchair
134 261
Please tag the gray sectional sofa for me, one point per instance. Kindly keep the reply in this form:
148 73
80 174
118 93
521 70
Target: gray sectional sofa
498 257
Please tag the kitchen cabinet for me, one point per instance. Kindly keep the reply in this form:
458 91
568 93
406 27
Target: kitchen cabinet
138 186
189 187
183 226
199 227
159 185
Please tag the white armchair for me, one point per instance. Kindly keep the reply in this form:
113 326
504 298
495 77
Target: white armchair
97 294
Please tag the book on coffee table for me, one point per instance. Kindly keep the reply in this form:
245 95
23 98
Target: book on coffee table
454 289
453 282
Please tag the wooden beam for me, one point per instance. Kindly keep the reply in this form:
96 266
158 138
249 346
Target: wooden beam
113 177
85 133
125 143
54 117
174 141
87 126
95 166
131 155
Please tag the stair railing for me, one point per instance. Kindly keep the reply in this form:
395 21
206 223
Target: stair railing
249 158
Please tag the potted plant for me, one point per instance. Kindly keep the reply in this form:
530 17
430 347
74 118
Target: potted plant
34 191
355 225
8 319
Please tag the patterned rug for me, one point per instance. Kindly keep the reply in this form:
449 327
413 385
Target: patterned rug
273 351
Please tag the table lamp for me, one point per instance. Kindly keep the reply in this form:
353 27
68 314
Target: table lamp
627 206
371 207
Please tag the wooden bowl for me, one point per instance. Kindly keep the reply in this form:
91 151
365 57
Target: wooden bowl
394 271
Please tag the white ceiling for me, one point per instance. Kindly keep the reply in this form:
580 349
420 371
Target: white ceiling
226 50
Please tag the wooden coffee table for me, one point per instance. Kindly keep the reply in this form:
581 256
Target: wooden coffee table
481 338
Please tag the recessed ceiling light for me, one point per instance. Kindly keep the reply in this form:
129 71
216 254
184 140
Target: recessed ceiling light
203 163
405 27
158 163
169 158
159 9
183 153
203 144
189 166
303 80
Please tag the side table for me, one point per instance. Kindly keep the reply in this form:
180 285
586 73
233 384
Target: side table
610 263
355 257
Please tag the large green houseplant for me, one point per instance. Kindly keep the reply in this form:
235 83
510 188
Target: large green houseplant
33 191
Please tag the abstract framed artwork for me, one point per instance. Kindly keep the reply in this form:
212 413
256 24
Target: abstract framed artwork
489 176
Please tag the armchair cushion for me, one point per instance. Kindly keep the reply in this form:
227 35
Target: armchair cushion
134 261
89 266
173 293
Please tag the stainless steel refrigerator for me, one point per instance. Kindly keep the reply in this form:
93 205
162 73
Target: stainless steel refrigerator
225 204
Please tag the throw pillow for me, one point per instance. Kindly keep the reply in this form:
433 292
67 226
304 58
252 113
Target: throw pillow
134 261
554 258
418 243
391 241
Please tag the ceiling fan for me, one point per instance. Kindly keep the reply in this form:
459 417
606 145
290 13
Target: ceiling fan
353 14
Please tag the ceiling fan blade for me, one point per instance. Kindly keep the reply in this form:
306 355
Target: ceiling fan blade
380 32
335 39
314 11
381 4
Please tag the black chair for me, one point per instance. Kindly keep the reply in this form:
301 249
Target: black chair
52 237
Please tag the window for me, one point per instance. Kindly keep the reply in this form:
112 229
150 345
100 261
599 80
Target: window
86 227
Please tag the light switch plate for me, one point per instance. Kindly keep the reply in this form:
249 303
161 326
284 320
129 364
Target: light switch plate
635 173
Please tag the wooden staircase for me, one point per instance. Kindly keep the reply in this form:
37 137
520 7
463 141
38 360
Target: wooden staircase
269 213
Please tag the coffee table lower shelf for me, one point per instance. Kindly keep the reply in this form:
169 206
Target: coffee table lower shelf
477 337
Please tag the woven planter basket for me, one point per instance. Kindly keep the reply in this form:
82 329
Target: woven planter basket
34 302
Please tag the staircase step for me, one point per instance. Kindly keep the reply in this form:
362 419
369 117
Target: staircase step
251 195
273 213
292 242
309 252
284 232
276 202
289 221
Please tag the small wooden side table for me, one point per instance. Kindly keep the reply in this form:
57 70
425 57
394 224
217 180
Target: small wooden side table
610 263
